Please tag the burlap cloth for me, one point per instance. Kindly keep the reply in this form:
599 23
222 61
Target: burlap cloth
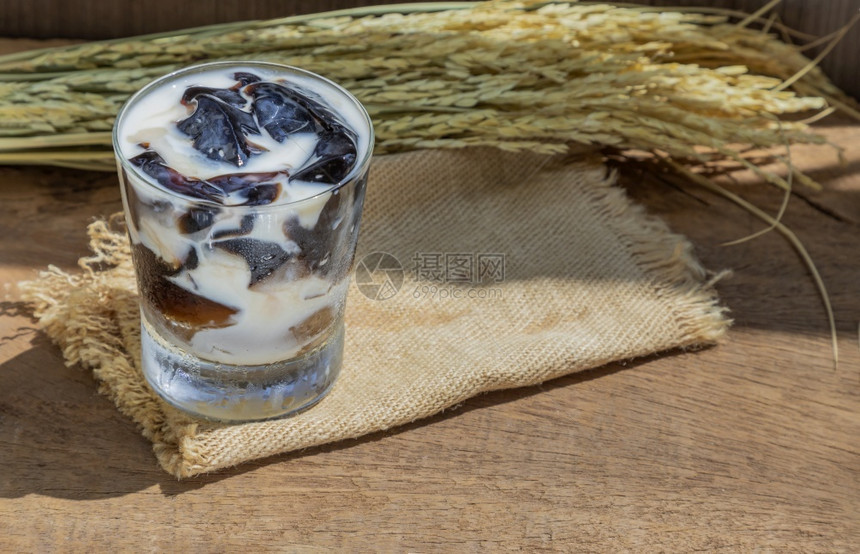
586 278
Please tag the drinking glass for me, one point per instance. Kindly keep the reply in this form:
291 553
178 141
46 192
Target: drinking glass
241 303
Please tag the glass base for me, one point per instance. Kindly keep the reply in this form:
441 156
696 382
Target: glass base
230 393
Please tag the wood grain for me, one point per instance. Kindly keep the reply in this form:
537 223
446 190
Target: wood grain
96 19
751 445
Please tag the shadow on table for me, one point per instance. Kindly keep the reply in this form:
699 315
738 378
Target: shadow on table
60 438
771 288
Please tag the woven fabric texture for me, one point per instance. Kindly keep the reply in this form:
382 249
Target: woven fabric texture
517 268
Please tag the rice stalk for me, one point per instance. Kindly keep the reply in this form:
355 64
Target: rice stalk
687 84
784 231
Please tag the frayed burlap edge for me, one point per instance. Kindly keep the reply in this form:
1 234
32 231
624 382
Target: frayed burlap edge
668 257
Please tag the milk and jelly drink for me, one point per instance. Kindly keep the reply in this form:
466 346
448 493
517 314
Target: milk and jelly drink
243 186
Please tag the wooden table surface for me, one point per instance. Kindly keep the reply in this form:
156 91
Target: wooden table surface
752 444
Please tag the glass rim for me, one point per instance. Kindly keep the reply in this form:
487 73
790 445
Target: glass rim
358 169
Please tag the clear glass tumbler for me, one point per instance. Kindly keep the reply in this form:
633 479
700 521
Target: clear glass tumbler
243 233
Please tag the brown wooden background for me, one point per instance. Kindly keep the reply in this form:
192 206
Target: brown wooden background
747 447
100 19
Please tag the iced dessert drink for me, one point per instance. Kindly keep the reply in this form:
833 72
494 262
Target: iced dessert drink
243 185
